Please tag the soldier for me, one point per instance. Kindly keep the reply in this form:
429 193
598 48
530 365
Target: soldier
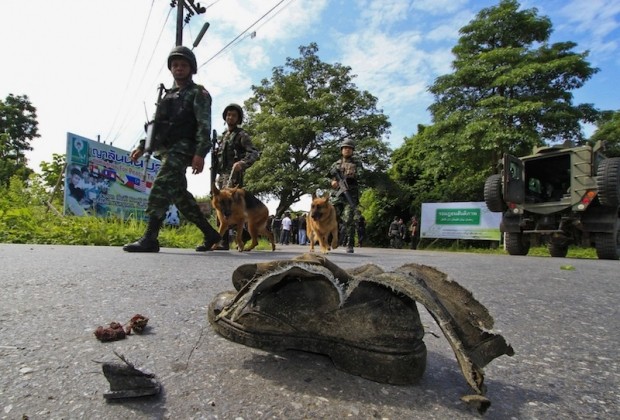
236 153
350 170
183 138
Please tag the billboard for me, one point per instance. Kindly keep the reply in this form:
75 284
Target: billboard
101 180
464 220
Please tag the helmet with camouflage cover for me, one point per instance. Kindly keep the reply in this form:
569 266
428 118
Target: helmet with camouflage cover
236 108
183 52
348 143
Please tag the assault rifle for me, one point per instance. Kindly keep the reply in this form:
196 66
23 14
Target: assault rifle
150 143
343 186
214 162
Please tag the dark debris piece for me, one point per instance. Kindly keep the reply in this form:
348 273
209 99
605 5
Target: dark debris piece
126 381
137 324
112 333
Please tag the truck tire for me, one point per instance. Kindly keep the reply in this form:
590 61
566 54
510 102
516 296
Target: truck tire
517 243
608 182
493 193
558 249
607 244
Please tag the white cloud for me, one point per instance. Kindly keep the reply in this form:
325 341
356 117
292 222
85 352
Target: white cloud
379 14
438 7
596 20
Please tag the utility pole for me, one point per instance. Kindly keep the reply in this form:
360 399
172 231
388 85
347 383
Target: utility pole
192 9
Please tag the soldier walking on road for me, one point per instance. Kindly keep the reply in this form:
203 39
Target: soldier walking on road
183 138
350 169
236 153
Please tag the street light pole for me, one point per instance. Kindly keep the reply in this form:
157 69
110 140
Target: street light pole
180 6
192 9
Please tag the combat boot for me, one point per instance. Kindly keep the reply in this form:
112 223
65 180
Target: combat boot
224 244
148 242
211 237
350 241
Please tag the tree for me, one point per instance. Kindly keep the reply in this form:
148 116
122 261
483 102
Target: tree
18 127
510 91
52 173
298 119
608 130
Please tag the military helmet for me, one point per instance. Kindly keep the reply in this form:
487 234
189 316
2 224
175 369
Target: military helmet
183 52
348 143
236 108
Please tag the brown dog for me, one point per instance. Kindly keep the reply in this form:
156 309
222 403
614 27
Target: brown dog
236 206
322 222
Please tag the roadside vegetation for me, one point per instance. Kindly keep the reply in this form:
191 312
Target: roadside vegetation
25 218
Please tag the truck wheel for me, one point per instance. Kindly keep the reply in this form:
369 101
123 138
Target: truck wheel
608 182
517 243
493 193
558 250
608 244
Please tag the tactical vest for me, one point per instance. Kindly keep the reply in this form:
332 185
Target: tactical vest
349 172
232 151
175 117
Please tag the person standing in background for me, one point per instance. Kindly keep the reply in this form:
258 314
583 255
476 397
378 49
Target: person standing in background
286 228
413 230
303 235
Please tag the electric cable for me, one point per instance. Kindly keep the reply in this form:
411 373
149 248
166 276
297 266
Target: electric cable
133 67
239 36
124 121
253 34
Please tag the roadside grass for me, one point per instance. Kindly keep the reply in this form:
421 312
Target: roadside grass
25 219
36 225
535 251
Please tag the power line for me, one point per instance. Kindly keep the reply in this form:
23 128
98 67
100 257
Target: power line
239 36
124 122
133 67
275 14
253 34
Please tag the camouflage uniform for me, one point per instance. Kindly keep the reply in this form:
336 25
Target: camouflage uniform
184 118
182 130
236 146
350 170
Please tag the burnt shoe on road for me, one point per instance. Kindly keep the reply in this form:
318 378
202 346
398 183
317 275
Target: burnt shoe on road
366 330
364 319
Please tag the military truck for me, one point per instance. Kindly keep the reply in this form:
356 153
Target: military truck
558 195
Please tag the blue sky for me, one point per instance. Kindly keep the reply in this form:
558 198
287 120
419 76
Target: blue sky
92 67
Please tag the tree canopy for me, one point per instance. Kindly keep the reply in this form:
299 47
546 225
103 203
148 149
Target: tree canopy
18 127
608 130
298 119
510 91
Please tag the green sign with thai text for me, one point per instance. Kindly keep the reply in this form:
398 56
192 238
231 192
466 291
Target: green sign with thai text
470 216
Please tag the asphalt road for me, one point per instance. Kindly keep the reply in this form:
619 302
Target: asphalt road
563 324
